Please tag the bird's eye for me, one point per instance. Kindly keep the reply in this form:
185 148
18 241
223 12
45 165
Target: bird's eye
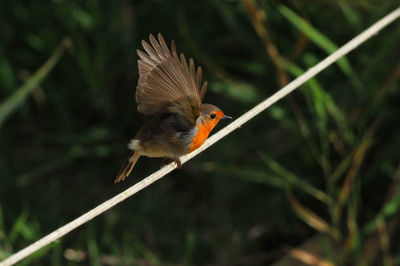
213 116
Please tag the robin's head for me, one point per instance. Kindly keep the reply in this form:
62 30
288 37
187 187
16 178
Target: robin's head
209 116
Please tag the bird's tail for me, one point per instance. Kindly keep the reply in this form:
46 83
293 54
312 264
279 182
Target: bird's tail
128 166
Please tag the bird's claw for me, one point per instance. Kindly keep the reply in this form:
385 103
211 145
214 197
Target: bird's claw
166 161
178 162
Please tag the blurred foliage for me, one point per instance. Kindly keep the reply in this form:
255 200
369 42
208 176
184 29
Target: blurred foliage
317 174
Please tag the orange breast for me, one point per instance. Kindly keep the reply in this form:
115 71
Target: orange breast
200 137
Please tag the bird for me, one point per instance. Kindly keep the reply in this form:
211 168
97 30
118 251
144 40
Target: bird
171 89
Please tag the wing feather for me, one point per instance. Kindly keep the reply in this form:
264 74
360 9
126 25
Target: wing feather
165 77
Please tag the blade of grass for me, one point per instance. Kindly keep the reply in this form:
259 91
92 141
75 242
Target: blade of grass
7 75
322 101
353 17
308 258
190 247
322 41
294 180
372 107
353 238
258 19
93 250
253 175
232 21
342 167
229 84
371 232
39 254
20 227
310 217
385 245
391 208
11 104
258 24
357 161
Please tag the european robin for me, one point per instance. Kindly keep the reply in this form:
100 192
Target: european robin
171 90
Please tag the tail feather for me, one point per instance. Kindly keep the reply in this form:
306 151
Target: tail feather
128 166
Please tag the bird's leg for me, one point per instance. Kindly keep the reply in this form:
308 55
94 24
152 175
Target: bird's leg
178 162
167 160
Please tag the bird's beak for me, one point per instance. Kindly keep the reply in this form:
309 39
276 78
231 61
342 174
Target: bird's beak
226 116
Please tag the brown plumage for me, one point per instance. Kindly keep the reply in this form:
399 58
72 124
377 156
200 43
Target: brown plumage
165 79
170 89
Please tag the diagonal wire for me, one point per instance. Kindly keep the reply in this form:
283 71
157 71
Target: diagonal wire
351 45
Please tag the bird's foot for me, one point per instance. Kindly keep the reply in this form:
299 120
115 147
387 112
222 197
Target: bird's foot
166 161
178 162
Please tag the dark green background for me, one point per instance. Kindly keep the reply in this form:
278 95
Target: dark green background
246 200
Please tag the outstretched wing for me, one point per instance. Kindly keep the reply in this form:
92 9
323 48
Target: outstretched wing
164 78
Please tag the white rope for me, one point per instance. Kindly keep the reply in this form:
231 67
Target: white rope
368 33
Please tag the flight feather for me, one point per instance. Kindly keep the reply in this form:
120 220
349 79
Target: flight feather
165 78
